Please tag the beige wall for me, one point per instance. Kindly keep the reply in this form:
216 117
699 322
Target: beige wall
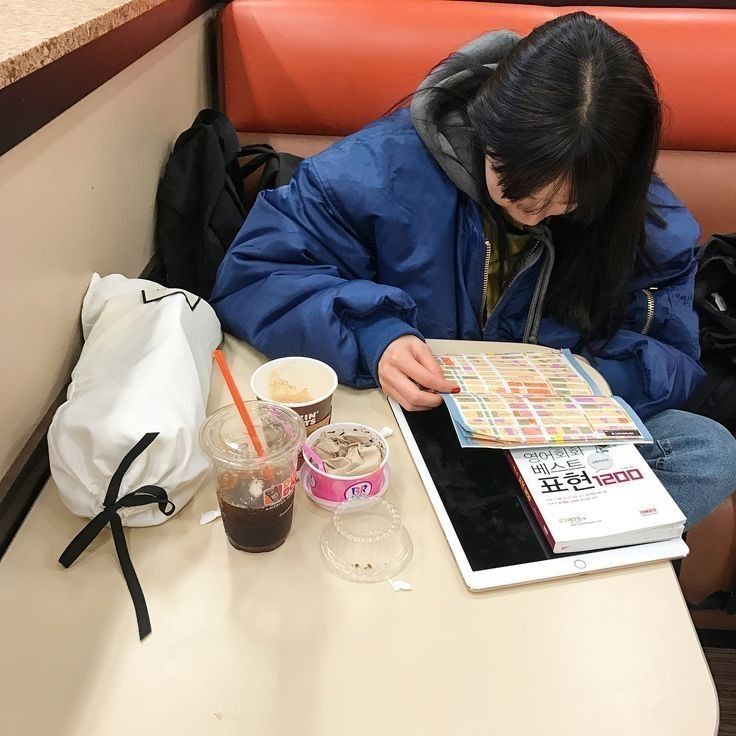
77 197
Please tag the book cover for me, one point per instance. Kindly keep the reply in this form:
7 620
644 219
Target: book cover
533 399
594 497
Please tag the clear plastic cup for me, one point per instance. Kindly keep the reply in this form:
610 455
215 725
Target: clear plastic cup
365 541
256 494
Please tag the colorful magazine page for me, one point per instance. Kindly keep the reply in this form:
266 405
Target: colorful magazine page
497 421
511 400
534 374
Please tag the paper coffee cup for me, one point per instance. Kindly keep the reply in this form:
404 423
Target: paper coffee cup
305 385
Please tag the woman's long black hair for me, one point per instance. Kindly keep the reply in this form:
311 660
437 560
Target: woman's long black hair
574 102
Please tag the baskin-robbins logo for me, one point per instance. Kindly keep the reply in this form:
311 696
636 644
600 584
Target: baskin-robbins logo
359 490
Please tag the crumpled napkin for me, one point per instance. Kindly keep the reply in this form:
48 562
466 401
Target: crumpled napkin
348 454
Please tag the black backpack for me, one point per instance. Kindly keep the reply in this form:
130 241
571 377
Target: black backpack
715 397
201 199
715 303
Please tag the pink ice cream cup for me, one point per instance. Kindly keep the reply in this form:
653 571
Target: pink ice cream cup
329 488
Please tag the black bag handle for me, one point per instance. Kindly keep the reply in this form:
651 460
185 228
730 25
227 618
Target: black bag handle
255 148
255 163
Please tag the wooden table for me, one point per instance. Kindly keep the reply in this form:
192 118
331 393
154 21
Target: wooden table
275 645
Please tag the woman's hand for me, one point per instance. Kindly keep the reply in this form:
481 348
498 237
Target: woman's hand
410 374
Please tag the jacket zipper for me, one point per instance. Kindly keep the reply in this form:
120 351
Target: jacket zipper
523 264
484 314
487 268
650 309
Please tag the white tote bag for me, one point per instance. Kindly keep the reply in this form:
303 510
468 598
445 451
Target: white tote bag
124 446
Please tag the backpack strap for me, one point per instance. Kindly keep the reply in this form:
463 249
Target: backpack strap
262 151
254 148
258 160
264 156
721 600
278 168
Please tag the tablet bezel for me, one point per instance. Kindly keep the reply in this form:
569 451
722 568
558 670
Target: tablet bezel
530 572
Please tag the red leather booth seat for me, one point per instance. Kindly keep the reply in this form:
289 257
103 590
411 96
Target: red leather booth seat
298 73
327 67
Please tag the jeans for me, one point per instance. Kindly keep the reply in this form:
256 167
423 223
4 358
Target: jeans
694 459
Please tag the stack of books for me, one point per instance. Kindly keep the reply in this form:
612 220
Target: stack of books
571 448
586 498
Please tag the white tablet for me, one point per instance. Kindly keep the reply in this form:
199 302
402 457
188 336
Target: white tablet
488 525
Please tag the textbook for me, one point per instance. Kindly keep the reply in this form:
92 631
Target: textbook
589 498
533 399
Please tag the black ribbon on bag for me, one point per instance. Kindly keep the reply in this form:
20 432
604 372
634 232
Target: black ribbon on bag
109 515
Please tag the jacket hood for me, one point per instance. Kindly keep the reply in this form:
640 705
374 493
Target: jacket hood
442 130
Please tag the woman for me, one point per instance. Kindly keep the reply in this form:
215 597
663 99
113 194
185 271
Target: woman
514 201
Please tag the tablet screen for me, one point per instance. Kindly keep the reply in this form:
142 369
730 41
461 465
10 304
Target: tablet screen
480 494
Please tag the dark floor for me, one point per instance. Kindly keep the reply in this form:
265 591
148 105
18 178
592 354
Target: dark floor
723 666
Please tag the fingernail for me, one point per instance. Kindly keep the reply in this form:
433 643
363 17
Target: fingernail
456 390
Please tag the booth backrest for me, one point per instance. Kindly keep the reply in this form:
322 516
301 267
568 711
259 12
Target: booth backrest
291 70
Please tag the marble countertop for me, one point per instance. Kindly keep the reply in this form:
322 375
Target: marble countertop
34 33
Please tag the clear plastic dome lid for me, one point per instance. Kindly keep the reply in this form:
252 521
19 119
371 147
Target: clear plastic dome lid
366 541
224 438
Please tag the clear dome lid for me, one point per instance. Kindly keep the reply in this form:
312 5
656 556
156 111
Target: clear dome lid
224 438
366 541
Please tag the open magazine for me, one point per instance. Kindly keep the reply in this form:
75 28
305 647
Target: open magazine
534 399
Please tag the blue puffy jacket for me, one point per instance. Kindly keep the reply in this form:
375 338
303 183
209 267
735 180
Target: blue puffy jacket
372 241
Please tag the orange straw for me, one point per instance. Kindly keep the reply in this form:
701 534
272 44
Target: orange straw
238 399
